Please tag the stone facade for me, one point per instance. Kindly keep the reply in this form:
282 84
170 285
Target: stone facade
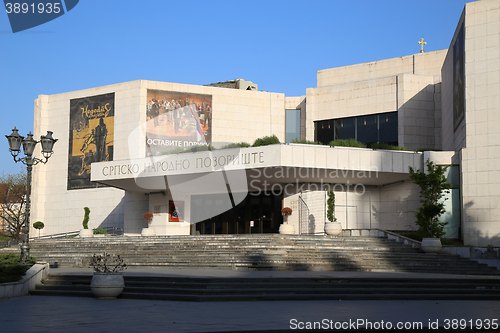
477 137
446 100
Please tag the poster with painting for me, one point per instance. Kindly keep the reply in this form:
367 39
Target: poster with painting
176 121
91 136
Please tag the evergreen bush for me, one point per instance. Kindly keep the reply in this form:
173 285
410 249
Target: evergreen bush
10 269
433 186
266 141
347 143
330 212
306 142
387 146
86 218
38 225
100 231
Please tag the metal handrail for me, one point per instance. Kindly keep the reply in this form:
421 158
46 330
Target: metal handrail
110 231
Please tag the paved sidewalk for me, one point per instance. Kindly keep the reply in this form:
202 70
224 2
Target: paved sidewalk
69 314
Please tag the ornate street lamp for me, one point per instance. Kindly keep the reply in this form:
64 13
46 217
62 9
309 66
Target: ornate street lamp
15 141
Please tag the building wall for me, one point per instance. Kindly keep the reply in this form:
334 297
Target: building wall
62 210
409 85
480 167
419 111
390 208
238 115
428 63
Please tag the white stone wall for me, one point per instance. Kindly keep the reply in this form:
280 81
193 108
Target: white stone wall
409 85
398 204
480 169
419 111
389 207
238 115
428 63
62 210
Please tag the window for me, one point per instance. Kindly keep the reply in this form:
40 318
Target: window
369 129
292 125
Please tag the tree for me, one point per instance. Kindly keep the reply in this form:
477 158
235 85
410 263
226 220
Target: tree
38 225
433 185
13 203
330 213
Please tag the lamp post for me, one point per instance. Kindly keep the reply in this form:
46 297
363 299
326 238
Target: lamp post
15 141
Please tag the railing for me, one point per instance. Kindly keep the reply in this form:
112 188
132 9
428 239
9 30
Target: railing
110 231
303 217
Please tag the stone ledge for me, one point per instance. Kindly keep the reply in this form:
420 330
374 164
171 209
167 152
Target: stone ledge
22 287
483 255
399 238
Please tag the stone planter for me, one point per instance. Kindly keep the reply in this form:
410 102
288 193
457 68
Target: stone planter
85 233
431 245
333 228
148 232
287 229
107 285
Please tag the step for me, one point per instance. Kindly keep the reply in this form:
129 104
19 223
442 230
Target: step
265 289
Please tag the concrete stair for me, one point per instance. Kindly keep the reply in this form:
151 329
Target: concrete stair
268 252
270 289
256 252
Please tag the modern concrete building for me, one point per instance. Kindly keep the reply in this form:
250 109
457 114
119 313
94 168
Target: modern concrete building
120 147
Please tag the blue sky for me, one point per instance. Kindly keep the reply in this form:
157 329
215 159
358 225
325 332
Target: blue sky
277 44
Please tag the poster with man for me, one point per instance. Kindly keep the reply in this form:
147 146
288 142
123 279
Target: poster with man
177 121
90 137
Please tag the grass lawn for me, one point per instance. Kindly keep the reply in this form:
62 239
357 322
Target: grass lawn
10 270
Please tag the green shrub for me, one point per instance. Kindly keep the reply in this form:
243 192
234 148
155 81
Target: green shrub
387 146
86 218
306 142
236 145
192 149
100 231
38 225
347 143
199 148
10 269
330 213
266 141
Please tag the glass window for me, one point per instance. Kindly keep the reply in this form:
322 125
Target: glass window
324 131
388 128
345 128
367 129
292 125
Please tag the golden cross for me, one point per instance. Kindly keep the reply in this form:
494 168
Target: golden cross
422 43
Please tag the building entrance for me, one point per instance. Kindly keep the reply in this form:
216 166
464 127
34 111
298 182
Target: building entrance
256 214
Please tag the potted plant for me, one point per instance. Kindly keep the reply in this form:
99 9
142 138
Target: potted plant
38 225
148 217
433 186
107 281
332 226
86 232
286 228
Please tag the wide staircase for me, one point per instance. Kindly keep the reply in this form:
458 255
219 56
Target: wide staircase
268 252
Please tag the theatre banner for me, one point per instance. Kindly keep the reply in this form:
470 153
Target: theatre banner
91 135
177 121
